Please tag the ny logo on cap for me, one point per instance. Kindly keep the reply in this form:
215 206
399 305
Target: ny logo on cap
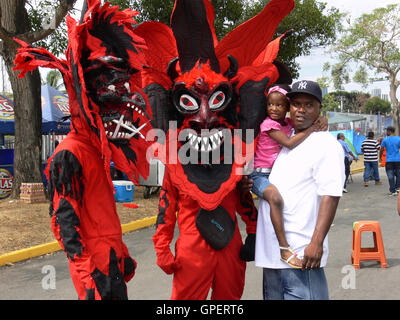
303 85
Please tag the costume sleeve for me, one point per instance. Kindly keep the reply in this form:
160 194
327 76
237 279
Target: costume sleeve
66 191
165 226
247 211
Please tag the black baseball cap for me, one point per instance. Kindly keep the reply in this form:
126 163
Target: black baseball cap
308 87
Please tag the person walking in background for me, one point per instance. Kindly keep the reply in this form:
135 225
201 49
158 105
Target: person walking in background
348 158
370 147
392 144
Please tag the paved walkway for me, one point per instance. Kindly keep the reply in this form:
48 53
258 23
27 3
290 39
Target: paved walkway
32 279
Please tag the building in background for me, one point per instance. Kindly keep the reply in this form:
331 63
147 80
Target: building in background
385 96
376 92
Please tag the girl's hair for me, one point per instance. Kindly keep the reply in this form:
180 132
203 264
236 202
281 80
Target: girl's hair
282 88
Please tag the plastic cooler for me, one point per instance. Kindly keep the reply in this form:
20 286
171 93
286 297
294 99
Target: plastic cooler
123 191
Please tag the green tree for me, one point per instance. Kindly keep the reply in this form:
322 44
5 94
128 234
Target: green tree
313 24
43 17
345 101
377 105
373 42
25 20
54 79
329 103
323 82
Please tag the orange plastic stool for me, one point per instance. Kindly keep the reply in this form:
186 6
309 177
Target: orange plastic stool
376 253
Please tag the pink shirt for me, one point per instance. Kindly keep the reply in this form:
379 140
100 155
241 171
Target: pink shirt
267 148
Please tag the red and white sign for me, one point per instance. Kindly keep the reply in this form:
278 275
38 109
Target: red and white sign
6 183
6 109
62 104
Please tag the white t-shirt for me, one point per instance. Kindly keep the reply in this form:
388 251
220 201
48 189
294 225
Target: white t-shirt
302 175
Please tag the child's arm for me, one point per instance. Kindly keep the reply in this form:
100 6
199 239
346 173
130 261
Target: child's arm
294 141
290 142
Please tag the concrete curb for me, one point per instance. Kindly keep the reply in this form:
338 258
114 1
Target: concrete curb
357 170
24 254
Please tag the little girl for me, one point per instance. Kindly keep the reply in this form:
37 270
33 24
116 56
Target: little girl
275 132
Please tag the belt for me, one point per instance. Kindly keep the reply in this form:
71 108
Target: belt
263 170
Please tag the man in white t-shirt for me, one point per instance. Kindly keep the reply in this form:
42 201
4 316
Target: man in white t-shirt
310 179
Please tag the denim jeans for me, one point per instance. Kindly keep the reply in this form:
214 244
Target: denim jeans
371 165
260 182
393 174
295 284
347 164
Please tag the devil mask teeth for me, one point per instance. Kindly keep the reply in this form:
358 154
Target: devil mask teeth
130 129
206 142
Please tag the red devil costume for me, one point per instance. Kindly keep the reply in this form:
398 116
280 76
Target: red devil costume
209 89
109 120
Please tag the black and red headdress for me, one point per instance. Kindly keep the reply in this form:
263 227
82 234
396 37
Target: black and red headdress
210 89
102 76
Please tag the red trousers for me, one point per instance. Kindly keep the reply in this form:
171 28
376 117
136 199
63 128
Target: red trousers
201 268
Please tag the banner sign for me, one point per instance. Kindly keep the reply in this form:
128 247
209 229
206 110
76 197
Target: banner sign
6 109
6 182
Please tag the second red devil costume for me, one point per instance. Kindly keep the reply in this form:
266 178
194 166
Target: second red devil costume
109 120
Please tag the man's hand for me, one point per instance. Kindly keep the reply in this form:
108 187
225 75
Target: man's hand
312 256
321 124
245 184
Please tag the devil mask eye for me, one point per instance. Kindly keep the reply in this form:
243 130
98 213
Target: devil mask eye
220 98
188 103
183 100
217 100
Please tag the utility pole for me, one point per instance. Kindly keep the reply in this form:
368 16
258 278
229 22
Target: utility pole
341 103
2 75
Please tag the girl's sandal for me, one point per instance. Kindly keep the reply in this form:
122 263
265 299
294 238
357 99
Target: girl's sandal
294 255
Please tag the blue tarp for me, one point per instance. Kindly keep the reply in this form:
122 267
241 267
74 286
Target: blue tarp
54 107
357 141
354 140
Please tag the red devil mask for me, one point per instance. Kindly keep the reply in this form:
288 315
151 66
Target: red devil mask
210 90
102 76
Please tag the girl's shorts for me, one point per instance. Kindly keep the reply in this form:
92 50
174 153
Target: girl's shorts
260 182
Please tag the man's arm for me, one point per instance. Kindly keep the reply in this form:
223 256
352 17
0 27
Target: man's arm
354 157
326 214
350 152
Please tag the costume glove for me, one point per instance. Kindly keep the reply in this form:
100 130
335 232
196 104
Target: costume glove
166 261
248 250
